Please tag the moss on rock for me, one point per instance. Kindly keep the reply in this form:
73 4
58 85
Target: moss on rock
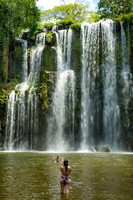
49 58
50 38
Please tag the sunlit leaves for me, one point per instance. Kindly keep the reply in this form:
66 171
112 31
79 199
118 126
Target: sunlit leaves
76 12
18 14
114 8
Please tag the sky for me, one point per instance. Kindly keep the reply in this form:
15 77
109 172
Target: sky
49 4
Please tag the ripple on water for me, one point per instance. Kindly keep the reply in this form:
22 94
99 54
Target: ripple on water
94 176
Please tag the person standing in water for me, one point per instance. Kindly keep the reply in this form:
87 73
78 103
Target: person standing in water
57 159
65 178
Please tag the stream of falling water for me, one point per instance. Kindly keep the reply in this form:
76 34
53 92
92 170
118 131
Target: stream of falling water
105 33
125 70
62 111
90 70
100 112
22 115
111 111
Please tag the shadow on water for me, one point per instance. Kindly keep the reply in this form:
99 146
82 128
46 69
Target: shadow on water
95 176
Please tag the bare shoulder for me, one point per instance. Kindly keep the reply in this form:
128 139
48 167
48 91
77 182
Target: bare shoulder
69 167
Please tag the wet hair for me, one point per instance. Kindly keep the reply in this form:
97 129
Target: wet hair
66 164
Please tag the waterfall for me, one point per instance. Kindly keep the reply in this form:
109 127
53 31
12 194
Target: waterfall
90 71
98 46
59 136
125 70
103 91
25 64
10 120
111 112
22 115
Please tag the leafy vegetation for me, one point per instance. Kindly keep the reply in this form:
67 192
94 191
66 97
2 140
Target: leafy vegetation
75 26
125 17
3 97
93 17
75 12
3 101
65 22
48 25
71 15
114 8
50 37
16 15
43 93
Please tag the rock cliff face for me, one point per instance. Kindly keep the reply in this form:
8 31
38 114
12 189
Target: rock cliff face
46 85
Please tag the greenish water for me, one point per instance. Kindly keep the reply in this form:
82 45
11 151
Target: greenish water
95 176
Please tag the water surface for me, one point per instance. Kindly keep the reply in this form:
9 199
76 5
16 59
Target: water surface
95 176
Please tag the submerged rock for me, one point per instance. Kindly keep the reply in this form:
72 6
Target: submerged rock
105 149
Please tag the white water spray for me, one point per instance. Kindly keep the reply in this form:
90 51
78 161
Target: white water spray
126 77
22 115
111 112
90 48
63 97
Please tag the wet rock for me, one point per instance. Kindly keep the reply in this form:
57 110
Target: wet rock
105 149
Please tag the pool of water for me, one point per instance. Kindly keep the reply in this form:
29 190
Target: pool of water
94 176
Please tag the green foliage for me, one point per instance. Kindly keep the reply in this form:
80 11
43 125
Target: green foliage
33 32
125 17
75 12
3 101
47 14
114 8
15 16
48 25
65 22
50 37
3 97
43 93
49 57
93 17
19 14
75 26
105 149
11 84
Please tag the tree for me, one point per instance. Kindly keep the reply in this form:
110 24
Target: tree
93 17
114 8
18 14
15 16
76 12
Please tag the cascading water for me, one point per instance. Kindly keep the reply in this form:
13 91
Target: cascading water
90 71
24 64
59 136
125 70
98 45
100 113
111 112
22 115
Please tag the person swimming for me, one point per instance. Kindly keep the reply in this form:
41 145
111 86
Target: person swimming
57 159
65 178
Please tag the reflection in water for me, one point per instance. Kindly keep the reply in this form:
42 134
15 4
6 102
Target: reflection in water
26 176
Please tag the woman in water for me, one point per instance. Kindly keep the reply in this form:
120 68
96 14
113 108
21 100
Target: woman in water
65 178
57 159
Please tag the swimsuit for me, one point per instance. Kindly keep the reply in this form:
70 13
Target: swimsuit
65 179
